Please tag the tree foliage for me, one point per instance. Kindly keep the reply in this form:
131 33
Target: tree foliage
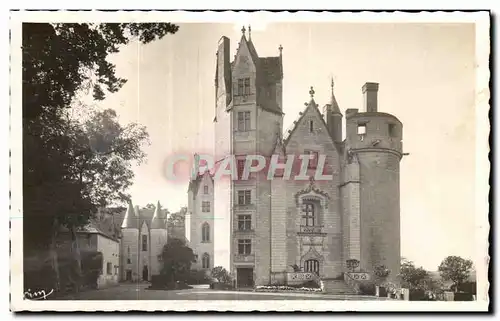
413 277
70 168
220 274
455 269
177 259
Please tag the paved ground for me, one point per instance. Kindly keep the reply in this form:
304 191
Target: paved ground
140 292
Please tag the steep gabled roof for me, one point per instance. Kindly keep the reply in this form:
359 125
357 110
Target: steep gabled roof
311 104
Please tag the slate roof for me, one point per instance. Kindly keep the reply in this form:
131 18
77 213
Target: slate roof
272 69
145 215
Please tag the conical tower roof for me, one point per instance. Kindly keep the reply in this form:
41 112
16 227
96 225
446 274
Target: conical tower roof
333 105
158 221
131 219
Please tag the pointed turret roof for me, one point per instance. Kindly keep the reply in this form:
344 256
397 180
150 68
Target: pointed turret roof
158 221
131 219
333 105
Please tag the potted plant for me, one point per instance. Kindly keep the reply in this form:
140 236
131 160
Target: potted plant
381 273
352 264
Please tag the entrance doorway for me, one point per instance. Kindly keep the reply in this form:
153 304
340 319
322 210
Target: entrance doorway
129 275
145 273
244 277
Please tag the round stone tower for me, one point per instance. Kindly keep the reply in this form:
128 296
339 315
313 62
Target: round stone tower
375 140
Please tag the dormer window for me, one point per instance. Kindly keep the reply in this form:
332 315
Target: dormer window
311 126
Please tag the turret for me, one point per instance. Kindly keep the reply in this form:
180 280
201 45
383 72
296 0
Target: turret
374 140
130 245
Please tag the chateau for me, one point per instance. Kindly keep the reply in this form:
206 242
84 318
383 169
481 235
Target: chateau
142 239
259 228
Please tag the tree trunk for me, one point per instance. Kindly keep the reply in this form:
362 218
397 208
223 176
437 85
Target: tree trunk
53 255
75 248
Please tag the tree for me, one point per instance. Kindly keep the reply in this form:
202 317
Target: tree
177 218
455 269
177 259
220 274
412 276
64 159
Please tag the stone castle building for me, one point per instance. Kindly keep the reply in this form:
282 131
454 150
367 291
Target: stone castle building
259 228
143 235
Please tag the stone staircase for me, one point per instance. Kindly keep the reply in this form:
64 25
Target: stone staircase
333 286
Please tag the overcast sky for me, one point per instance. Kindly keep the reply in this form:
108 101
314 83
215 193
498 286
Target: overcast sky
426 76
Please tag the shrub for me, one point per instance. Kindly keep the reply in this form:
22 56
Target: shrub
463 296
367 288
220 286
195 277
221 275
468 287
309 284
159 281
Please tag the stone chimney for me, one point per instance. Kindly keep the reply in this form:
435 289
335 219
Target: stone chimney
370 90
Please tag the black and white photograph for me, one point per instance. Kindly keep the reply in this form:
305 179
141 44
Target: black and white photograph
194 161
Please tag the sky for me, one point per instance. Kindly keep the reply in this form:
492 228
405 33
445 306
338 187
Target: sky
426 74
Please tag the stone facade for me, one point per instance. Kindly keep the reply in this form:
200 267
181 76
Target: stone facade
265 227
142 241
199 222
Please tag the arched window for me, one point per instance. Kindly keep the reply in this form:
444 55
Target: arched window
311 266
205 232
205 261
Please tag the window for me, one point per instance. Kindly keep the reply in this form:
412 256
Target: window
392 130
144 242
205 206
109 268
244 247
129 261
241 167
361 129
308 214
244 222
205 261
240 87
205 232
311 266
247 86
311 126
243 121
196 257
244 197
205 189
313 161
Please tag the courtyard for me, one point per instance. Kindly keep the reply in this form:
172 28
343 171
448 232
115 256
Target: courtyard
127 291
